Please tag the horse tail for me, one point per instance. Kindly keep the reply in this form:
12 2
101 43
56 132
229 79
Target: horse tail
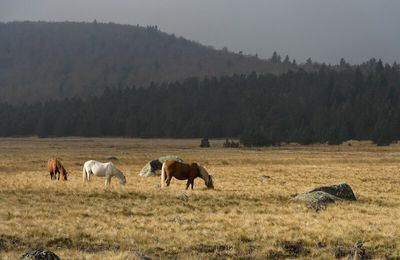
162 175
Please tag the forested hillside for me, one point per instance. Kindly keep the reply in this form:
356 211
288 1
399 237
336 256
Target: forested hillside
42 60
330 105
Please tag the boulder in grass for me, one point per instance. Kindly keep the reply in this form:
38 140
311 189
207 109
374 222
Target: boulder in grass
169 158
316 200
319 197
40 254
146 171
152 166
341 190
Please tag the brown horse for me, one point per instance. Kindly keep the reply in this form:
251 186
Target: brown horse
55 167
183 171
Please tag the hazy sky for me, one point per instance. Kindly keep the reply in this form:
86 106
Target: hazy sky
325 30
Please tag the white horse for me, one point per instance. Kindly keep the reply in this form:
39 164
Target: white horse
99 169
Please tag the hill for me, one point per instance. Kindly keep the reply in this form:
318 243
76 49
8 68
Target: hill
47 60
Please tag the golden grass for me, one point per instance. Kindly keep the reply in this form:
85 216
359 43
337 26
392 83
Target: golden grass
244 217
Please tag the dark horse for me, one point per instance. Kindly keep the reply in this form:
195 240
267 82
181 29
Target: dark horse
56 169
183 171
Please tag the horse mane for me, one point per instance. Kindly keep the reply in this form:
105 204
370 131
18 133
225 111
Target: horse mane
61 168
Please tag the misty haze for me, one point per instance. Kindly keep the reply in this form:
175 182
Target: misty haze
199 129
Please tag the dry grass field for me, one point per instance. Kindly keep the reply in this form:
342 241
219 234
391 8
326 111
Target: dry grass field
245 217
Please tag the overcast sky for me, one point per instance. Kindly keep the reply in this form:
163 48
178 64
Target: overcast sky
325 30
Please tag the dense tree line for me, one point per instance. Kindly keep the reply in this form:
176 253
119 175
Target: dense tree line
42 60
331 105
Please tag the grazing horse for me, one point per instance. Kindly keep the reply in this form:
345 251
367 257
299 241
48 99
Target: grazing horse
99 169
56 169
183 171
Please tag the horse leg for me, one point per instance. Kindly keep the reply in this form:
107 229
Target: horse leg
51 175
192 183
187 184
108 181
168 181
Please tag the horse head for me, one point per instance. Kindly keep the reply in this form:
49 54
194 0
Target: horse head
65 175
122 179
208 180
63 172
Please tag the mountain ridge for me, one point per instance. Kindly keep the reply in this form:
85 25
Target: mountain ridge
54 60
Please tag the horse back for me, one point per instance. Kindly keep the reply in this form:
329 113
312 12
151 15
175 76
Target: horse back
181 171
98 168
52 164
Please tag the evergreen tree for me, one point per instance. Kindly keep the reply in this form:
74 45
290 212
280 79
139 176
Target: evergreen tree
329 105
275 58
286 60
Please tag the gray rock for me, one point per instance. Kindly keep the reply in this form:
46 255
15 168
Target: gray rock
146 171
170 158
152 166
341 190
40 254
318 198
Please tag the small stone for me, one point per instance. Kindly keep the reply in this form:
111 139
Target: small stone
264 177
183 197
140 256
40 254
358 252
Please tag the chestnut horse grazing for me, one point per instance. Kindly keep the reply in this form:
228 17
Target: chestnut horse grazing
99 169
56 169
183 171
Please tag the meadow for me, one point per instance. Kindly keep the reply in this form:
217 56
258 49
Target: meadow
249 215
